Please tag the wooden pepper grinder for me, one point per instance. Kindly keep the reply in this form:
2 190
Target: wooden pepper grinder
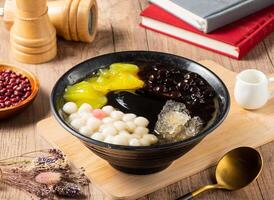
74 20
32 36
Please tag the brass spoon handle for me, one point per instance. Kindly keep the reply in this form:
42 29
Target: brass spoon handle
190 195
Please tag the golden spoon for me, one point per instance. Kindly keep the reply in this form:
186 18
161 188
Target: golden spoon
235 170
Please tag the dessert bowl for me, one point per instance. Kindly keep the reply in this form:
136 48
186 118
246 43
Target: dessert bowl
34 83
141 159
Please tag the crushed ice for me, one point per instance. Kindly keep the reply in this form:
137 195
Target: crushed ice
175 123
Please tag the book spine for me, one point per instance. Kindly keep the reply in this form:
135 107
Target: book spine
265 27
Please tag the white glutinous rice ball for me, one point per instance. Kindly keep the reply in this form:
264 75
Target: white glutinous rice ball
85 130
141 121
73 116
85 107
94 123
98 136
108 109
120 140
120 125
70 108
152 138
134 142
109 139
141 130
137 136
78 123
131 126
108 120
129 117
145 142
109 130
86 115
117 115
103 126
125 134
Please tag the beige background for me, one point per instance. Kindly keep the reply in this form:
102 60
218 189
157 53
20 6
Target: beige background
118 31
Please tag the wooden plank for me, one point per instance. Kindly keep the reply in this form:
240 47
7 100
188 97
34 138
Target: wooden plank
269 45
16 132
265 181
244 133
257 58
18 135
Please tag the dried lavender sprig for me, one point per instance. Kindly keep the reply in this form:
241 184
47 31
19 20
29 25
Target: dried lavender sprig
67 189
25 155
14 163
7 161
24 181
24 175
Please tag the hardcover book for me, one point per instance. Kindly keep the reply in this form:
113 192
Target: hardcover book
234 40
208 15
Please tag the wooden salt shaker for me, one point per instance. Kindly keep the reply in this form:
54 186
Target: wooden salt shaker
33 37
73 19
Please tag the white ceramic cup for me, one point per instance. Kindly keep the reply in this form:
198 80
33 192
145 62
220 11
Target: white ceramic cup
252 89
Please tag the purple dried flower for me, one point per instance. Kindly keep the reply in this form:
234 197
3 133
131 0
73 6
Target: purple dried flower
45 160
66 189
44 174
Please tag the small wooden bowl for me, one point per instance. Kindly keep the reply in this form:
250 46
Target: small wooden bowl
13 110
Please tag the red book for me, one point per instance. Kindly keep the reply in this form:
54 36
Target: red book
234 40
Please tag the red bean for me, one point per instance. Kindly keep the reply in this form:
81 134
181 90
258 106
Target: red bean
14 88
7 103
14 100
4 90
17 93
19 88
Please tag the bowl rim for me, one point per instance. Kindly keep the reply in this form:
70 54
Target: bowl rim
86 139
29 75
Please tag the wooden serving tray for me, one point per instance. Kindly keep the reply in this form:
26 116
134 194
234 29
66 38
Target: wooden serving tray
241 128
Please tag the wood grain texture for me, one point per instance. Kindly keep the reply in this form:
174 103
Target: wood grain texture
119 30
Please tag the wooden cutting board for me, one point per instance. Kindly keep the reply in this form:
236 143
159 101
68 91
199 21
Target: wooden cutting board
241 128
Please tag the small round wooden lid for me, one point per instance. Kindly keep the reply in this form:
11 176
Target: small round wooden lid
87 20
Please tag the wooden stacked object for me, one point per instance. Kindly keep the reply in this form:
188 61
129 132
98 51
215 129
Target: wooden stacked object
32 36
74 20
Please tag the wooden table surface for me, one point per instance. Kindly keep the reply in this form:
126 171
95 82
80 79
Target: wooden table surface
119 31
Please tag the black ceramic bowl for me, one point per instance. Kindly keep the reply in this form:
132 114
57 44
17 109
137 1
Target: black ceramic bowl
139 160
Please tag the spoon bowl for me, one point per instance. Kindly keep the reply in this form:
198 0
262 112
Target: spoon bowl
238 168
235 170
